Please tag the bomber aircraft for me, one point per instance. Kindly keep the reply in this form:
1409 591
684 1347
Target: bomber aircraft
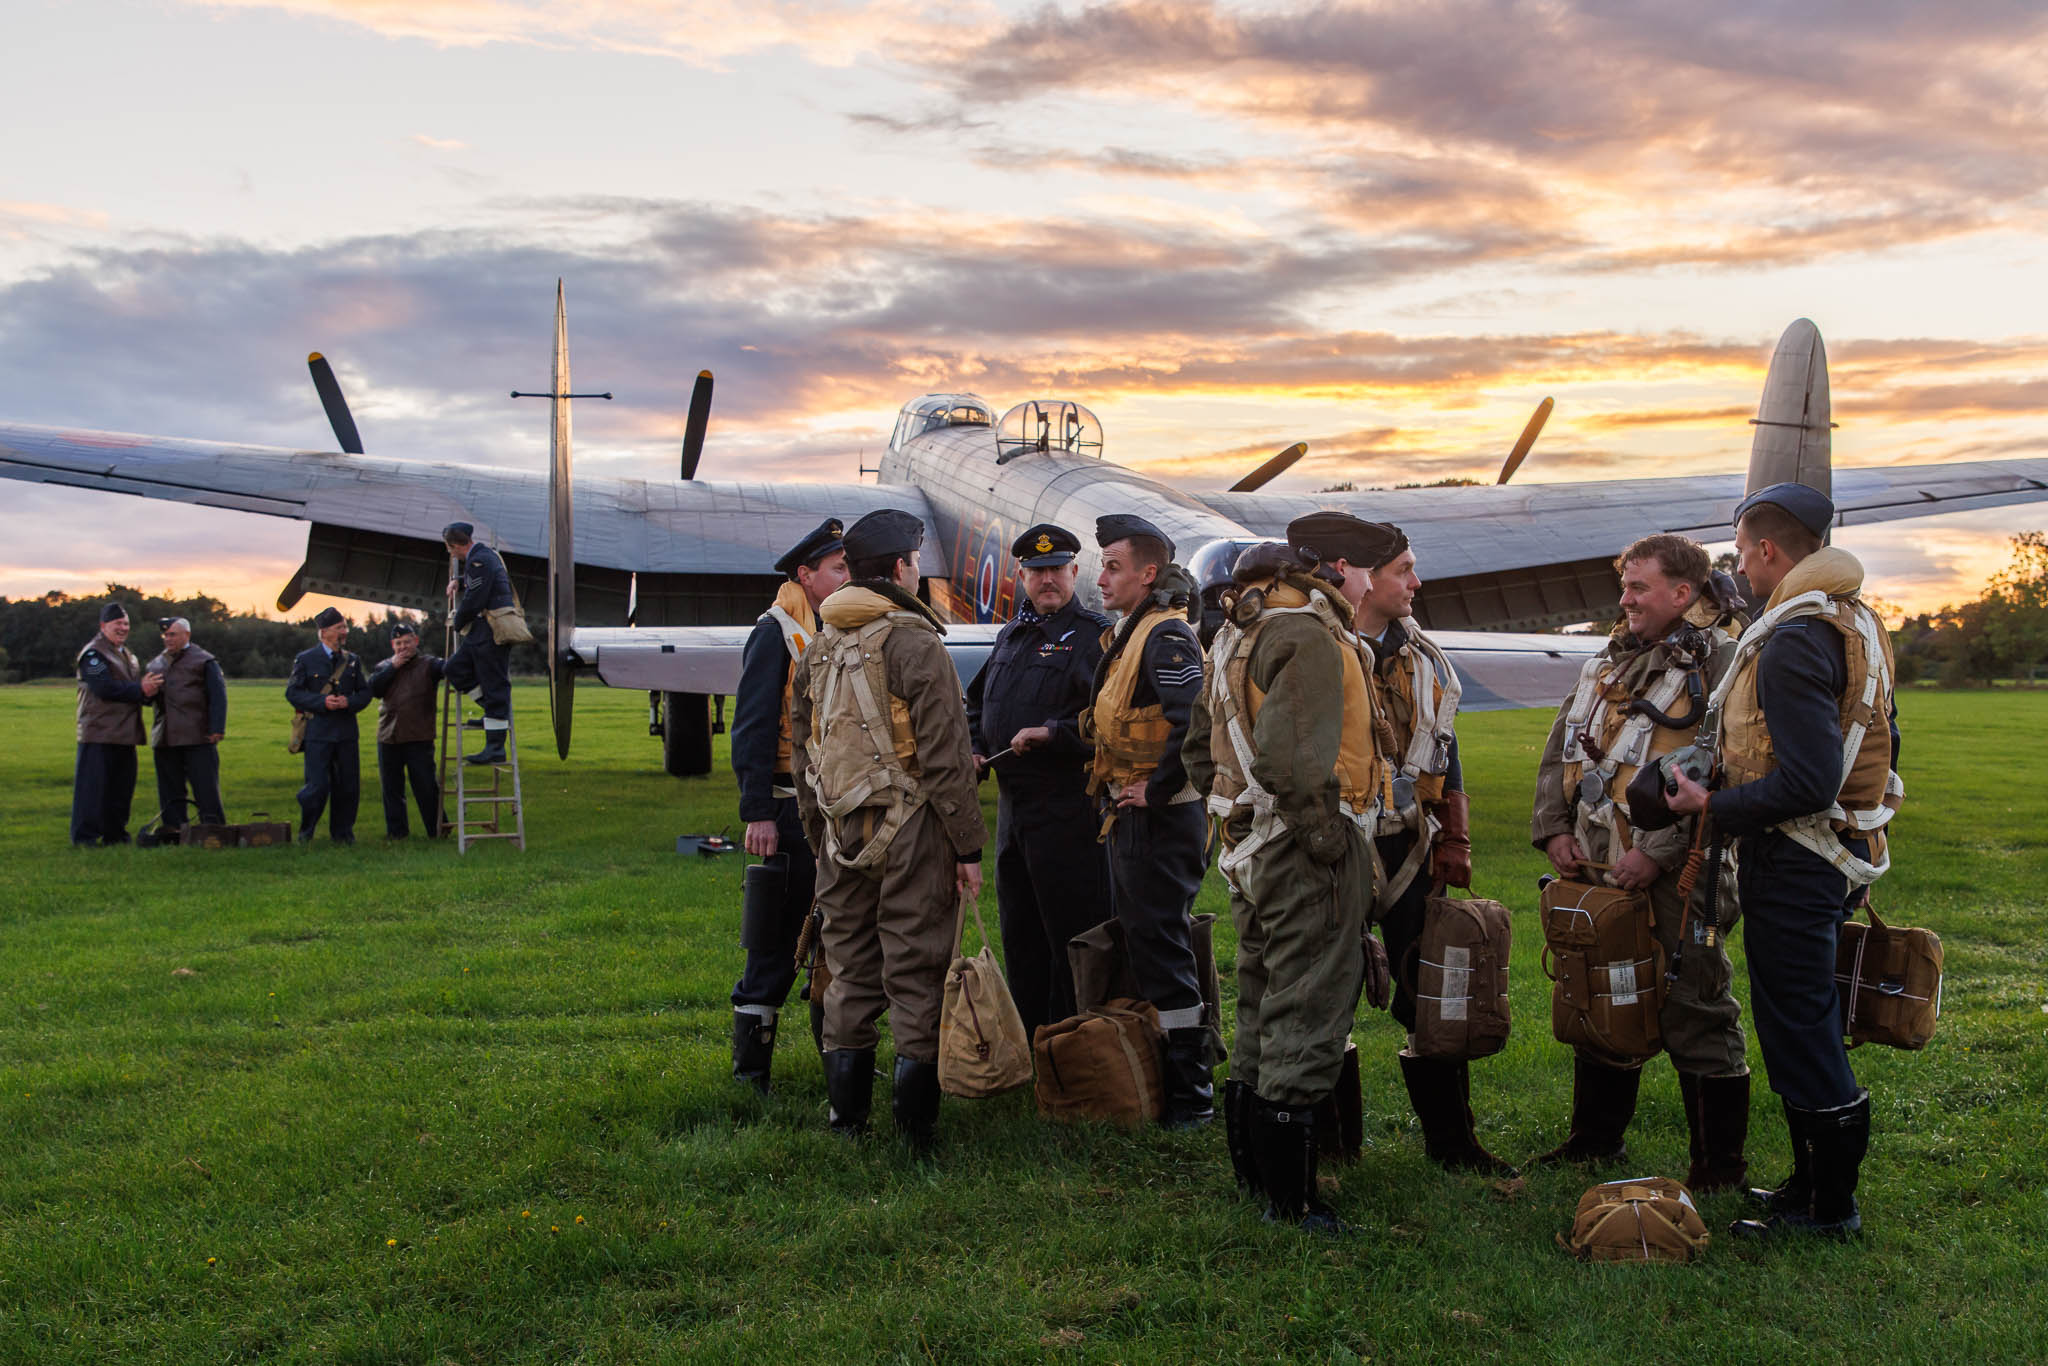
654 583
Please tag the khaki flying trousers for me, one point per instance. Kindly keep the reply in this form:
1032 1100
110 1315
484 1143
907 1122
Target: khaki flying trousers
1701 1020
1300 967
888 936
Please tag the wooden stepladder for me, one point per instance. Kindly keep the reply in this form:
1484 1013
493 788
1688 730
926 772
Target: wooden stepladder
482 812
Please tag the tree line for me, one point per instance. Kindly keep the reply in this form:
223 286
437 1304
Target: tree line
2002 634
41 637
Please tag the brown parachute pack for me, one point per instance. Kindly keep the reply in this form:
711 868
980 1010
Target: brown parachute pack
1888 978
1606 970
1458 974
1643 1219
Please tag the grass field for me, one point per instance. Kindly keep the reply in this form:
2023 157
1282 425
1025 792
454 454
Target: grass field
382 1105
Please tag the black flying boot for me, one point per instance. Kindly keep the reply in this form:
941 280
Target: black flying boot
753 1047
1440 1093
1839 1139
1284 1148
493 751
850 1087
1794 1195
1237 1136
914 1102
1717 1116
1190 1098
1603 1103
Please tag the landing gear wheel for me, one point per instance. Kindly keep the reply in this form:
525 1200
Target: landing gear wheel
686 734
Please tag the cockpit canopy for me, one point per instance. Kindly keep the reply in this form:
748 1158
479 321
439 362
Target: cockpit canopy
1048 426
933 411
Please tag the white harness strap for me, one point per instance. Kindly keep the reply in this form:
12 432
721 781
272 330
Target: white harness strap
1816 831
1631 746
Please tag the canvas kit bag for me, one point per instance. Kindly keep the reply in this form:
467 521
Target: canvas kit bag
1458 974
1606 969
297 744
1643 1219
508 624
258 832
1888 978
1102 972
1103 1065
982 1048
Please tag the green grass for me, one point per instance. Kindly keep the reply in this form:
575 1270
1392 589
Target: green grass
326 1105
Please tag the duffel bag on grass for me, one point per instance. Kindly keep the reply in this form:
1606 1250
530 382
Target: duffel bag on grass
1101 1065
1606 970
260 832
1644 1219
982 1048
1888 978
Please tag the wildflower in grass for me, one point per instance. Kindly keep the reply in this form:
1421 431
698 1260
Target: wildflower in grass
554 1228
579 1218
526 1214
211 1260
391 1242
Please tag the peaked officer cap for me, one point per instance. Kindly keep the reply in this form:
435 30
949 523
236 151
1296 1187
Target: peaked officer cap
829 536
885 531
458 531
1325 536
1123 526
1810 507
1045 546
113 611
403 628
328 617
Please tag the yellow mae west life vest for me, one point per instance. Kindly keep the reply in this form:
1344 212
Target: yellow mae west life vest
1234 704
791 613
1824 586
1129 741
862 753
1419 697
1627 740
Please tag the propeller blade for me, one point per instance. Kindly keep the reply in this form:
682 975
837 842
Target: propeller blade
1271 470
336 406
294 589
561 545
1525 441
693 429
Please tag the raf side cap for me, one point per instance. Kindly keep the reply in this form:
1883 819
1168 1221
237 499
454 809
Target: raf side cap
1324 536
403 628
458 531
328 617
829 536
1046 546
1123 526
885 531
113 611
1812 509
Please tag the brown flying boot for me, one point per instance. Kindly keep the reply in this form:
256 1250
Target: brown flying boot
1717 1114
1441 1093
1603 1103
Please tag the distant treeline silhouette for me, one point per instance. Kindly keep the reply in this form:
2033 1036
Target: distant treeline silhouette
41 637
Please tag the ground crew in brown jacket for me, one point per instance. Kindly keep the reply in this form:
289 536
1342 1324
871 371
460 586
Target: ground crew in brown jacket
1281 742
111 691
191 720
1663 659
887 792
1422 822
404 688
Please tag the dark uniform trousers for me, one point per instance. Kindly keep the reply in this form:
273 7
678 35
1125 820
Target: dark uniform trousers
770 970
102 794
478 665
333 771
1156 861
197 765
410 761
1401 926
1052 883
1793 906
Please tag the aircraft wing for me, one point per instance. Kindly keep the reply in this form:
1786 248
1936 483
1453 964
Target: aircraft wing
1499 529
1500 670
635 525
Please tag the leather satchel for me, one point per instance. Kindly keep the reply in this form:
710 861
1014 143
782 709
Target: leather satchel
1888 979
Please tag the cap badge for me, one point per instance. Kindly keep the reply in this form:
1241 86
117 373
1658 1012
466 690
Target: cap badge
1044 544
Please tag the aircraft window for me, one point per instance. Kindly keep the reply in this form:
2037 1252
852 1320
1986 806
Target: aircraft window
934 411
1048 427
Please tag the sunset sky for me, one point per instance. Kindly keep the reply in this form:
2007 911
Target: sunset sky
1385 229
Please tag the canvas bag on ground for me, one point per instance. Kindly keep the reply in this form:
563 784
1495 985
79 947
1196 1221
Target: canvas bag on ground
1606 970
1102 972
982 1048
1103 1066
1888 978
1643 1219
1458 974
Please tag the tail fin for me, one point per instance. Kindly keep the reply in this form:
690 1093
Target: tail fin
1792 444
